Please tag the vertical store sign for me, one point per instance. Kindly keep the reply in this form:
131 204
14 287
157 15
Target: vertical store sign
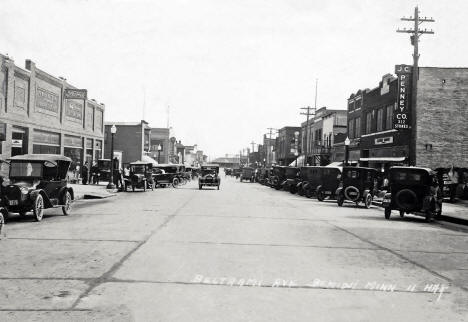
402 115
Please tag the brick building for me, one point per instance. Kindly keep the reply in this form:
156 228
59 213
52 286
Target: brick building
268 150
285 145
36 118
377 139
327 127
131 141
160 137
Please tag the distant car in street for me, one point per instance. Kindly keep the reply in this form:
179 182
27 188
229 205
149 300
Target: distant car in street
247 174
413 190
165 175
209 176
37 182
140 176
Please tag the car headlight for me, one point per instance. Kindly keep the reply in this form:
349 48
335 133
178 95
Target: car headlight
24 190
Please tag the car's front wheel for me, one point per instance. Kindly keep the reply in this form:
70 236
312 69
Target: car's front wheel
38 208
368 201
320 195
67 204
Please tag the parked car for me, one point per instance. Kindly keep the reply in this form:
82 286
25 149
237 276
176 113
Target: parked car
329 182
37 182
304 176
209 176
311 179
104 168
227 171
413 190
357 185
262 176
292 179
277 176
140 176
248 174
165 175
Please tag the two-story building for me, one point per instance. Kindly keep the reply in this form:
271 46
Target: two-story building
160 144
380 127
37 117
286 145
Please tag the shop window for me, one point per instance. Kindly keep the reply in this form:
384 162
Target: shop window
357 127
351 129
45 149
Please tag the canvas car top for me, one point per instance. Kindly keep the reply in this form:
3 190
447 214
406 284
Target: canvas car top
40 157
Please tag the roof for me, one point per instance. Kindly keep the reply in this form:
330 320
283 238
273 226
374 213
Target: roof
210 165
41 157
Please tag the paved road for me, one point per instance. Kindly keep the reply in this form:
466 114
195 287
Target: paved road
244 253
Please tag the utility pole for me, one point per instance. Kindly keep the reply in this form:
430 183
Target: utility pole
269 142
308 112
416 32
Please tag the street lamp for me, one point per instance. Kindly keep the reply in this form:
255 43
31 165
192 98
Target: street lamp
264 162
296 148
346 143
159 151
111 185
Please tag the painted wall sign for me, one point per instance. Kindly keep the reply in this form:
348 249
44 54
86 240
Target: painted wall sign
46 101
402 116
79 94
74 111
384 140
17 143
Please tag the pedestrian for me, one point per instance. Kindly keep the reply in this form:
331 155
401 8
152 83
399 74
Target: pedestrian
95 173
85 173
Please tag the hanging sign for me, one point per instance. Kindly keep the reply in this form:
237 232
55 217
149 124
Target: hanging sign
402 114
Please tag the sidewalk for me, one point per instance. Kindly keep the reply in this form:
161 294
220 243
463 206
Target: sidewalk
456 210
92 191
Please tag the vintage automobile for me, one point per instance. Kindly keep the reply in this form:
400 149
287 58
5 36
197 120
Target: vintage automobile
310 178
140 176
236 172
165 175
227 171
262 175
209 176
292 179
413 190
37 182
330 180
247 174
104 168
277 176
357 185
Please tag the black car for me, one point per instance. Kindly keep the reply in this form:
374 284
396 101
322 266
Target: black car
247 174
357 185
165 175
292 179
277 177
236 172
413 190
37 182
209 176
330 178
262 175
140 176
308 180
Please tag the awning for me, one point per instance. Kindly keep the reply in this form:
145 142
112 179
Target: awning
384 159
149 159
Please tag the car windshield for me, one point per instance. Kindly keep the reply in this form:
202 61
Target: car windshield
26 169
208 171
352 174
291 171
140 169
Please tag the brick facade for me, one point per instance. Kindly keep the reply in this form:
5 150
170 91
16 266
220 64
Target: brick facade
442 117
38 119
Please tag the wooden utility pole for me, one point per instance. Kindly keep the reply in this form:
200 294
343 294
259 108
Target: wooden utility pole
415 32
269 142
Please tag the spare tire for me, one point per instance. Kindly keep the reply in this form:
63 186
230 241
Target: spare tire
406 199
352 193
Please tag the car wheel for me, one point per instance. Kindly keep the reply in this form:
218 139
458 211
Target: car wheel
300 191
340 200
388 212
320 195
402 213
133 188
368 201
175 182
67 204
38 208
293 189
308 193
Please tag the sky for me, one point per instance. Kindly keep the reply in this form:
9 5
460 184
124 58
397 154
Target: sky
227 69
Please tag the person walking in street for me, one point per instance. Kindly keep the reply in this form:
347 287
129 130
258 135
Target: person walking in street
85 173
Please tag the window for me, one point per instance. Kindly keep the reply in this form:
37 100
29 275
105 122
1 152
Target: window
368 123
379 119
357 127
351 129
389 117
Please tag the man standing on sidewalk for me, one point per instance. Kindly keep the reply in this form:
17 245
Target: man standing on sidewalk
84 173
